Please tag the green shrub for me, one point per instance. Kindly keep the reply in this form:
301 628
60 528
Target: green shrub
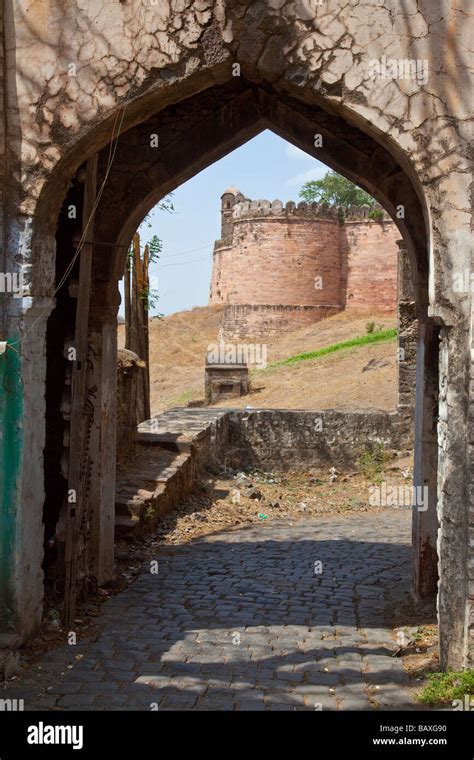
444 687
376 213
372 461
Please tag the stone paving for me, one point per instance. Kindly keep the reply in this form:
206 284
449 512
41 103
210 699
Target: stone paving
247 619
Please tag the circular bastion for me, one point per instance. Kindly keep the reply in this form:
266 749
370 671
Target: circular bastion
278 267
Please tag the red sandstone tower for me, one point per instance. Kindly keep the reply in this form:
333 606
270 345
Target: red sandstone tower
279 267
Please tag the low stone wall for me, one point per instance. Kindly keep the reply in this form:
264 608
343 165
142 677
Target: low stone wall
244 321
177 448
278 439
209 448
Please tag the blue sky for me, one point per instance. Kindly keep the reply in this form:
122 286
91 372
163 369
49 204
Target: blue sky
265 167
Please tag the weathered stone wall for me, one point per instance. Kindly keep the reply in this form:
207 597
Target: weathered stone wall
471 521
281 267
241 321
275 260
206 76
194 442
276 439
408 335
369 254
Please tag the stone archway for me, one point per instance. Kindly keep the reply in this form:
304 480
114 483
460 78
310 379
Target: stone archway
280 51
188 142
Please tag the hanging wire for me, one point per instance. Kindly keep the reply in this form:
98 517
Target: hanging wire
110 159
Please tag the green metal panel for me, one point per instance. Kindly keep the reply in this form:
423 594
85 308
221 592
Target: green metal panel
11 412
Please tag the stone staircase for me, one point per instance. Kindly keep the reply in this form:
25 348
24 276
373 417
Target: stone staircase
172 450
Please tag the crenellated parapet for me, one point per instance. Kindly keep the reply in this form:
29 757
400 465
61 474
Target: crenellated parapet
245 209
280 266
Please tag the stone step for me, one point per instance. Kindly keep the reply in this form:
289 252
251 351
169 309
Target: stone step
130 508
165 441
163 470
181 423
127 503
150 487
125 525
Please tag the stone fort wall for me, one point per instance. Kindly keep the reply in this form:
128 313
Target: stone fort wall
278 267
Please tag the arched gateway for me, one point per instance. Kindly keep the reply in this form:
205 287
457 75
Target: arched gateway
109 110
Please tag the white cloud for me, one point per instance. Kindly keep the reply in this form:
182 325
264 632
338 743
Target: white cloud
316 172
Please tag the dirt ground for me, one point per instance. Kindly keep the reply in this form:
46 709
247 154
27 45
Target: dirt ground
364 377
358 378
232 499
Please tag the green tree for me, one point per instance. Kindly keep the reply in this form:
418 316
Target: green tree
151 297
335 190
152 252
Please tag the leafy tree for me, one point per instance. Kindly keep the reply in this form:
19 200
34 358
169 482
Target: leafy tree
335 190
153 249
155 246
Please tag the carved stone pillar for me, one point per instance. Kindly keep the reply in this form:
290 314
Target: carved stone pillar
407 336
103 343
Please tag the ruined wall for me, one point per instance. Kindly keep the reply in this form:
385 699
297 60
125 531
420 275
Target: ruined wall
282 267
245 321
183 451
276 439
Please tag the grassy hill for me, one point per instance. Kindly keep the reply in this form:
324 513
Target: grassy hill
354 377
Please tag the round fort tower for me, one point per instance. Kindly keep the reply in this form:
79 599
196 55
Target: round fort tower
278 267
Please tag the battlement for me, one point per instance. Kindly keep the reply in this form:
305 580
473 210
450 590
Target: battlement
246 209
279 266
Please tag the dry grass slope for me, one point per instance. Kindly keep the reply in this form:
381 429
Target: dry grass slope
357 378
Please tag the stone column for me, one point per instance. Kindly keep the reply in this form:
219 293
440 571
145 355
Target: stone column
22 440
108 458
407 336
103 344
418 405
470 537
454 494
425 518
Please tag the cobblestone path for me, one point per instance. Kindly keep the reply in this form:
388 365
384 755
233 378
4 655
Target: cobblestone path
245 619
